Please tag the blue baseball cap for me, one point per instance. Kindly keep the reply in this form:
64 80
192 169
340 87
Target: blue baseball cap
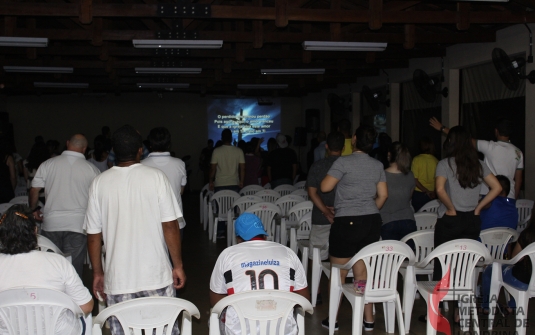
248 226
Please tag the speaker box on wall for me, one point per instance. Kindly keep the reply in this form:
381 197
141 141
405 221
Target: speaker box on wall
312 117
300 137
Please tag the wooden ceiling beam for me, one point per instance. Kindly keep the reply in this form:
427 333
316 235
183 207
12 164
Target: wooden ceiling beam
376 11
269 13
463 8
276 38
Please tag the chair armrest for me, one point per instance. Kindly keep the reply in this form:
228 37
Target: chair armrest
341 266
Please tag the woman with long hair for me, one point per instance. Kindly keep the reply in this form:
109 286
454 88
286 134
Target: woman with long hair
458 181
360 193
397 214
22 265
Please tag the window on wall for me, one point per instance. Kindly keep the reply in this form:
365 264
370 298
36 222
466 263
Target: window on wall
485 99
415 115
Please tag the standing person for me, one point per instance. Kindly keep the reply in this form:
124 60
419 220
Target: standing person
282 164
8 176
229 163
361 191
501 212
232 271
253 162
22 265
424 167
344 126
204 160
321 149
133 210
396 213
502 157
174 168
459 179
66 179
323 210
99 156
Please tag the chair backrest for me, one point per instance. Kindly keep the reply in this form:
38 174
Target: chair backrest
266 211
250 190
268 195
301 192
383 260
288 201
524 208
424 242
431 206
241 204
203 192
299 210
460 257
300 185
148 315
224 200
528 251
523 224
497 239
264 308
44 244
267 186
425 220
21 200
5 207
32 310
285 189
305 225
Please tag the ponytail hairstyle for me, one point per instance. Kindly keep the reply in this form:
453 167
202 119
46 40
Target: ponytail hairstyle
399 154
458 145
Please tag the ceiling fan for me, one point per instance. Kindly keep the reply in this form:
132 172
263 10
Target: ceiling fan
428 87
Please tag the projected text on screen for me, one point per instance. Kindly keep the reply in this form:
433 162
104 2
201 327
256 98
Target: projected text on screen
244 117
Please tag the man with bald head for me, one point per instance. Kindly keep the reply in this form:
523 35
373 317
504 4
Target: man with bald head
66 179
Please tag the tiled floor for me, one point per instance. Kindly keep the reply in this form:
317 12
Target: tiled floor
200 254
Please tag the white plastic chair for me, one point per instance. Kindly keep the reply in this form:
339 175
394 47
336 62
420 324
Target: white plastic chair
206 202
292 218
524 208
300 185
285 189
5 207
203 192
288 201
224 200
44 244
299 237
424 242
425 220
523 225
266 212
382 260
250 190
521 297
238 207
148 315
458 258
267 186
431 206
268 195
301 192
23 200
264 308
33 310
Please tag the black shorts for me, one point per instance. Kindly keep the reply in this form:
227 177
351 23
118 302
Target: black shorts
349 234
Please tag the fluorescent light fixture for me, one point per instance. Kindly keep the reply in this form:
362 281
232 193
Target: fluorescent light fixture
60 85
261 86
36 42
169 70
178 44
38 69
344 46
162 85
292 71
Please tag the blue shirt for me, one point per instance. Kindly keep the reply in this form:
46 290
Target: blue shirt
501 213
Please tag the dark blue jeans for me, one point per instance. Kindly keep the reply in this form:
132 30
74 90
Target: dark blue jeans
396 230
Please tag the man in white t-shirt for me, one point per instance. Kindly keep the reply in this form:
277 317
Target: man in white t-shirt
66 179
502 157
255 264
174 168
133 210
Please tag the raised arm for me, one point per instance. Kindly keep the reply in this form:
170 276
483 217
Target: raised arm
433 122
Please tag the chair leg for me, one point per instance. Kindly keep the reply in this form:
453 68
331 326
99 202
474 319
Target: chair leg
446 306
316 275
390 316
409 292
304 259
293 240
214 230
401 323
430 329
230 229
473 314
495 286
522 301
358 315
334 298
